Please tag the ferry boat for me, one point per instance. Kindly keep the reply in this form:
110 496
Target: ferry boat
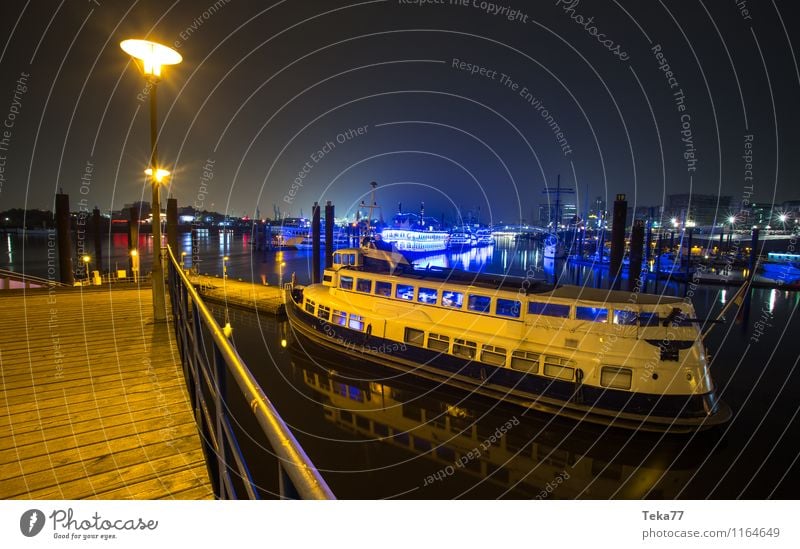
484 237
415 242
462 237
577 352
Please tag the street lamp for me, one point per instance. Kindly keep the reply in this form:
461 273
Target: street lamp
86 259
225 268
183 260
135 265
153 56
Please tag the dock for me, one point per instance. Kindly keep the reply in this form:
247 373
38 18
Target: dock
93 402
247 295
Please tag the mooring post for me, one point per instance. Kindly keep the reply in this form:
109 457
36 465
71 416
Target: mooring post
315 244
637 245
689 233
98 239
172 225
753 253
658 260
328 234
65 265
618 240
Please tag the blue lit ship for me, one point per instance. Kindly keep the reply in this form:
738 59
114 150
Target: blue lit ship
583 353
414 236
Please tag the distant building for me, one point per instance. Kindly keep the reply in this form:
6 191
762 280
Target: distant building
547 213
702 209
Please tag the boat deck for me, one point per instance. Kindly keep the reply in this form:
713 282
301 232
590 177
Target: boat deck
93 401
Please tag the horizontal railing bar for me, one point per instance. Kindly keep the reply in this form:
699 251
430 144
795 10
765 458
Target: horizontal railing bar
299 467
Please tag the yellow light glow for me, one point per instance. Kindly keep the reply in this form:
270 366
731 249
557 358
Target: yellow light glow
160 176
226 258
86 259
152 54
283 343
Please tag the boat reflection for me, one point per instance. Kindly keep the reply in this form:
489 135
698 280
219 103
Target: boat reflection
519 453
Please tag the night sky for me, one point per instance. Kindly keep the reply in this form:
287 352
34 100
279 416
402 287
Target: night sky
469 105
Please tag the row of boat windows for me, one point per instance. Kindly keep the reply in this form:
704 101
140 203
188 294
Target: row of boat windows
510 308
523 361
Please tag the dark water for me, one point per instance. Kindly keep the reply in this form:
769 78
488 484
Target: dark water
378 434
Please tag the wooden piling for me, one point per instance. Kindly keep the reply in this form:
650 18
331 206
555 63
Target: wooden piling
618 240
315 243
172 225
65 263
637 245
328 234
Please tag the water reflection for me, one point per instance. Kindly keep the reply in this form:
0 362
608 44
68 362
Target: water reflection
504 450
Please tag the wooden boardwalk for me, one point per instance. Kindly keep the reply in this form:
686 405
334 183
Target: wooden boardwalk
93 403
247 295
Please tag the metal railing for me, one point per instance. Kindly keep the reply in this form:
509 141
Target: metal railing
205 379
6 277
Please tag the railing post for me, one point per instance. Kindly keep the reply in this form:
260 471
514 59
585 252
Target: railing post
219 405
286 487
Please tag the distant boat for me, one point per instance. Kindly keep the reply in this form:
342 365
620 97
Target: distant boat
461 237
781 267
553 248
484 237
413 242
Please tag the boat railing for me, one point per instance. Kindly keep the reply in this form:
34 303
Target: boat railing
206 382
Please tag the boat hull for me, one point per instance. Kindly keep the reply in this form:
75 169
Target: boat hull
673 413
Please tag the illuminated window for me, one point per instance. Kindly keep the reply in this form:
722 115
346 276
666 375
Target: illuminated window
346 282
339 317
625 318
364 285
310 306
561 368
548 309
594 314
324 312
383 288
404 291
427 295
452 299
508 307
479 303
356 322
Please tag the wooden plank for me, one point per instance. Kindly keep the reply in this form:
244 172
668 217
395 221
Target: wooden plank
116 423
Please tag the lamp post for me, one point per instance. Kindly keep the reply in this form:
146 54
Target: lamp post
225 268
153 56
183 260
135 265
86 259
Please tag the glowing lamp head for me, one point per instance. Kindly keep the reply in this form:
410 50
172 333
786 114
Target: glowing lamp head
732 219
674 222
782 218
152 55
85 259
225 258
134 253
159 176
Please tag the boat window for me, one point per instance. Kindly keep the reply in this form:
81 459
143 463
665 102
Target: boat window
648 319
414 337
346 282
465 349
493 355
508 307
439 342
324 312
479 303
427 295
452 299
548 309
383 288
310 306
364 285
595 314
561 368
618 378
625 318
339 317
356 322
337 258
327 278
404 291
525 361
